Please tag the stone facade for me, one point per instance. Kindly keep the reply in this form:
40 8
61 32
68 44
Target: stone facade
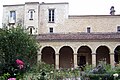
67 40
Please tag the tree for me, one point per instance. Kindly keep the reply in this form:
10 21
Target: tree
15 43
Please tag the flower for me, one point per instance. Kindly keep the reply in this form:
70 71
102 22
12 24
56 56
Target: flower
51 71
14 68
20 63
115 75
12 79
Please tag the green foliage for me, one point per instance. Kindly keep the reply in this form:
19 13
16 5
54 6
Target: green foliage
106 72
15 43
118 70
41 66
4 76
53 74
43 71
100 77
40 71
87 68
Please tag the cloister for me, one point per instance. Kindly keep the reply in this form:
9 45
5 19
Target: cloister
71 54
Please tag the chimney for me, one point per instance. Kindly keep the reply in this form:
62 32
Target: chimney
112 11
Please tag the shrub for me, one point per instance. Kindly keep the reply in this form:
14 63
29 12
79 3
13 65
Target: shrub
15 44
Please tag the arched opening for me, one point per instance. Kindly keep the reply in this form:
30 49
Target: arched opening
103 54
66 57
48 55
31 29
84 56
117 54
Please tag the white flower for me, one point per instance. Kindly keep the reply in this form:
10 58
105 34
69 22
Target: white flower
51 72
72 68
58 70
115 75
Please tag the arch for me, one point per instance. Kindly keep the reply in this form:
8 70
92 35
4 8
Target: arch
70 46
43 46
103 54
48 55
117 54
109 47
84 56
89 46
66 57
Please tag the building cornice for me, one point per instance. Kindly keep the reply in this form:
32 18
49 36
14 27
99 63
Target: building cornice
79 36
35 3
13 5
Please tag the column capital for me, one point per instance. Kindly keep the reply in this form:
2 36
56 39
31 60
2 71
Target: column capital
93 53
75 53
57 54
111 53
39 54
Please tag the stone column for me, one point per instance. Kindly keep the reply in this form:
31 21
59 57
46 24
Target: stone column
112 59
39 56
57 61
94 59
75 60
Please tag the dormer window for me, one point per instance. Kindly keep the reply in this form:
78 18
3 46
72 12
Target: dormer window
31 14
51 15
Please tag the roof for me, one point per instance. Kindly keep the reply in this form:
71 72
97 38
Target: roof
79 36
43 3
101 16
31 2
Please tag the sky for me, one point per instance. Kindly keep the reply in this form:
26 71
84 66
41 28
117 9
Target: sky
78 7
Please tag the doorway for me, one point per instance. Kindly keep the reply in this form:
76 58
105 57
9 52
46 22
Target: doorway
82 60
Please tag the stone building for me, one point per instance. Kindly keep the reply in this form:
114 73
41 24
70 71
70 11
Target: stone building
67 40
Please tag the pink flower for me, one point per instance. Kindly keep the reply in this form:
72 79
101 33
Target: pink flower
20 63
20 66
12 79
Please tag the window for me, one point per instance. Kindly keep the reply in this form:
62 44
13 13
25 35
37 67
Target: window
118 28
51 15
12 15
31 14
51 30
31 31
88 29
31 28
